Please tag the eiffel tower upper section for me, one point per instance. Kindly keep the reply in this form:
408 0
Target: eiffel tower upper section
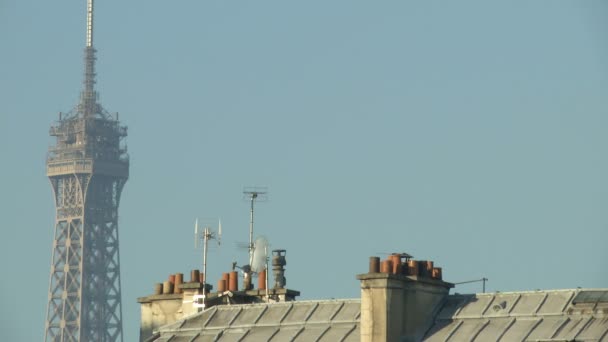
89 139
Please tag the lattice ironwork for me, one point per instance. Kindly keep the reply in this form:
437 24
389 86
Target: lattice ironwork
87 167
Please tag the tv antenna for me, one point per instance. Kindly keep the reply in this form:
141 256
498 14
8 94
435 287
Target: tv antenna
205 234
482 280
253 194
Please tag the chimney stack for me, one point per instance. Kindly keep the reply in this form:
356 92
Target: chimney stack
278 263
399 298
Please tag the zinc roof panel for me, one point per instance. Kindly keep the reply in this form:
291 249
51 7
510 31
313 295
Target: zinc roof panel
556 302
182 338
274 314
311 333
528 303
496 327
164 338
224 316
572 328
467 330
324 312
299 313
196 321
233 335
475 306
260 334
546 328
502 304
354 335
441 330
520 329
452 305
597 328
205 338
249 315
283 334
350 311
337 333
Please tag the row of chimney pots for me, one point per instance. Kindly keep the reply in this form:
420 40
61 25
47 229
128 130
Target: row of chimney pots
398 263
228 282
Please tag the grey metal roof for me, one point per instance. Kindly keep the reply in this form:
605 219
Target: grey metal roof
510 316
523 316
323 320
597 296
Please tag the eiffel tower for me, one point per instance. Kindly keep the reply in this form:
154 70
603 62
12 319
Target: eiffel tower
88 167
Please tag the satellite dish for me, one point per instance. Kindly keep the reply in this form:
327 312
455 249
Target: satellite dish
260 253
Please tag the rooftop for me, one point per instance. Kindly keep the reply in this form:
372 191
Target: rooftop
322 320
557 315
553 315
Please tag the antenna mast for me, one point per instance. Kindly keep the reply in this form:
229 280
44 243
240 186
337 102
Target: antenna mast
205 235
253 194
88 99
89 23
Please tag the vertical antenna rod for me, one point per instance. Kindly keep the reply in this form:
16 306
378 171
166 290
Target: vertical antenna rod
205 235
89 23
253 194
266 274
89 96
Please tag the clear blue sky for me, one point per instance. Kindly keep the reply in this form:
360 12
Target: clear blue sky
471 133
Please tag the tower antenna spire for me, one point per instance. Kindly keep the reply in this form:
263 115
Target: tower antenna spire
88 99
89 23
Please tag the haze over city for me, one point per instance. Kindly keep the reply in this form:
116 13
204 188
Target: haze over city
470 133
